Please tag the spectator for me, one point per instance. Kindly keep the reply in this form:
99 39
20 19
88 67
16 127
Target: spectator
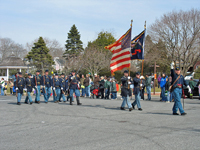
167 92
143 87
148 86
86 83
11 87
96 80
192 85
82 85
5 88
107 88
159 79
2 86
162 85
113 89
198 84
101 87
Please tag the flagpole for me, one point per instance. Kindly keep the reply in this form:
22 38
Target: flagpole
143 59
130 46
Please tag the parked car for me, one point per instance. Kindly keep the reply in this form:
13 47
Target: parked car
195 91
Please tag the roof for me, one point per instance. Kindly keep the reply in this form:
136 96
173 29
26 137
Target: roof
12 60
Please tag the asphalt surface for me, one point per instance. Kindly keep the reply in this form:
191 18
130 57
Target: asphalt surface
97 124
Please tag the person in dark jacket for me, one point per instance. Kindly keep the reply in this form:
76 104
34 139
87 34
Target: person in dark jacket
19 84
62 88
143 87
46 82
86 83
167 92
37 79
29 86
137 85
125 90
101 87
56 84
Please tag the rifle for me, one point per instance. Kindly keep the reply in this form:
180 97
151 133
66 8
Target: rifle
44 85
36 84
54 86
16 86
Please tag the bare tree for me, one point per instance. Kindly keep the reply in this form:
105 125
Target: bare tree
7 47
95 59
180 31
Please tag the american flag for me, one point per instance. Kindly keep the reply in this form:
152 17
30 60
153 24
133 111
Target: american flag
121 56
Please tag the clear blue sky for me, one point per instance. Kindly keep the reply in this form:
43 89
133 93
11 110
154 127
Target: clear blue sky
25 20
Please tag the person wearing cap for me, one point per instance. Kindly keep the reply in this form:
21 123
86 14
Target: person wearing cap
37 79
29 86
19 84
177 84
73 80
125 90
192 85
46 82
56 84
137 86
62 88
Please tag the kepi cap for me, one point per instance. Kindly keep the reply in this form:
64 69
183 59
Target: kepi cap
125 71
177 68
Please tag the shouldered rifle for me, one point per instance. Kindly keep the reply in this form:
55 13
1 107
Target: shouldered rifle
44 84
16 86
54 86
36 84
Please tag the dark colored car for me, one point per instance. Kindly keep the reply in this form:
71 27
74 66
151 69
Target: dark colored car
195 91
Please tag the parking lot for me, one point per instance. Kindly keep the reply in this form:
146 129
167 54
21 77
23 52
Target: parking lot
97 124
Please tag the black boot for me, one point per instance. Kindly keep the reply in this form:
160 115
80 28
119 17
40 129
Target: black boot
78 101
70 101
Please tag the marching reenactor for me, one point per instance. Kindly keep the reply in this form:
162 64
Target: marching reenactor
56 84
19 84
177 84
137 89
46 81
37 79
125 90
73 80
63 87
29 86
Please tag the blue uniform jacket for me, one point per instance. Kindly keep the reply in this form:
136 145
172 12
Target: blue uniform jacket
47 81
29 84
37 79
57 83
73 80
124 89
162 82
20 85
62 82
181 80
136 82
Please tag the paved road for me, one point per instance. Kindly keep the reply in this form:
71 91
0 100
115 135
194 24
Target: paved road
96 125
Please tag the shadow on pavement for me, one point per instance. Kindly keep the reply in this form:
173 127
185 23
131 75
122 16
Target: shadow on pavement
155 113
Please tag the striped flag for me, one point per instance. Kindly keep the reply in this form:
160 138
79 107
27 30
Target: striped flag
121 57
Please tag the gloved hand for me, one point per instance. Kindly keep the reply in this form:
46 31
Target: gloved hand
36 87
141 85
54 88
189 89
172 65
44 86
32 89
25 89
129 82
129 77
16 89
61 88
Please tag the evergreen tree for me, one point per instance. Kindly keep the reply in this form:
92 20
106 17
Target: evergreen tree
39 55
74 44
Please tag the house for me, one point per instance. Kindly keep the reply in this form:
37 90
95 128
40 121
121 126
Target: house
59 64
